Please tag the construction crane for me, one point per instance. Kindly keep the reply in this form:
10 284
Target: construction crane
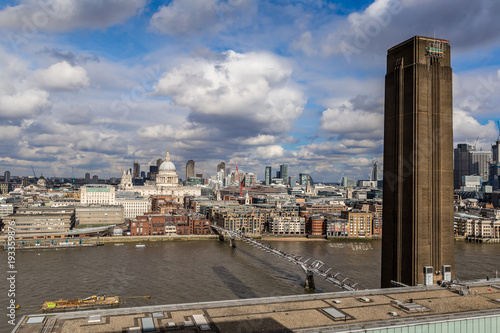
239 180
475 143
340 180
33 171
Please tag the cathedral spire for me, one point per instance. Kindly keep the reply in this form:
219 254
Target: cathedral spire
167 156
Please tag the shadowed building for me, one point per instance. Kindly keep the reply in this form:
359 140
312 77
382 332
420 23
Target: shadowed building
418 164
189 169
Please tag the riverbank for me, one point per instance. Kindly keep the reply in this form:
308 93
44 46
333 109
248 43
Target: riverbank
155 238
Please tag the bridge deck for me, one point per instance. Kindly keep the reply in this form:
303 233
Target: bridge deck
315 267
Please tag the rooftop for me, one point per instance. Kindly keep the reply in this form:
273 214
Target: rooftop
332 312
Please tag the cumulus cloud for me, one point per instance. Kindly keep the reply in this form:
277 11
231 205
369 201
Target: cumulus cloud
359 118
467 128
9 132
367 33
66 15
269 152
62 76
252 90
23 104
186 132
260 140
182 17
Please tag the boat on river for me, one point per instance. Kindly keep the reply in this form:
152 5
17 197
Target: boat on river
88 303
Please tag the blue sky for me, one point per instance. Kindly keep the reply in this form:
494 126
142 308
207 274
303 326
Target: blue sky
94 84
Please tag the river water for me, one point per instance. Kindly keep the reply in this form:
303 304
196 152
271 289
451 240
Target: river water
196 271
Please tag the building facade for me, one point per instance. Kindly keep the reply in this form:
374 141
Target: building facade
98 215
189 169
97 194
43 220
418 163
288 225
268 175
284 173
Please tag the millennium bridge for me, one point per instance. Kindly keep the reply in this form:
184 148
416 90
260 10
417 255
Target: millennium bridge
310 267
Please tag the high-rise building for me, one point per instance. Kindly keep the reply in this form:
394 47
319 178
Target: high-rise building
461 163
6 176
221 167
284 173
137 170
347 182
87 178
495 166
304 178
95 179
469 162
189 169
480 164
376 172
159 162
417 243
268 175
250 179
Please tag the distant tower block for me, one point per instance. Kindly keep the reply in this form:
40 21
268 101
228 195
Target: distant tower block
418 164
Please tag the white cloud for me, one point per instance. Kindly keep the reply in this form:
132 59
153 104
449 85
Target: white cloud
62 76
260 140
346 120
466 129
182 17
269 152
253 87
31 16
186 132
24 104
9 132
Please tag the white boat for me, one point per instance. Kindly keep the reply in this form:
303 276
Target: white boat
119 244
140 246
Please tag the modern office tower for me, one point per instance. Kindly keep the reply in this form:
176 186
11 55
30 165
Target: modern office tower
347 182
417 243
95 179
268 175
461 163
87 178
376 172
284 173
480 164
6 176
250 179
495 166
159 162
221 167
137 170
303 178
189 169
153 169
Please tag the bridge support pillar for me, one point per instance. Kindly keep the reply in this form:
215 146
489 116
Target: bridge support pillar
232 242
309 281
221 237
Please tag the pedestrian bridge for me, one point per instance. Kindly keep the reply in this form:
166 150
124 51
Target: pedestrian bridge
311 268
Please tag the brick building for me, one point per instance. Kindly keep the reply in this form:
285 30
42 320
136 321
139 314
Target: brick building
360 223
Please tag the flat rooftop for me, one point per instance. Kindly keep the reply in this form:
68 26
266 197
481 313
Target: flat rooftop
329 312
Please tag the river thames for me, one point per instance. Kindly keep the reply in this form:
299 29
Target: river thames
196 271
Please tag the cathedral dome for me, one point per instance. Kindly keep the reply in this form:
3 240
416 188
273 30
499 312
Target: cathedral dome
167 166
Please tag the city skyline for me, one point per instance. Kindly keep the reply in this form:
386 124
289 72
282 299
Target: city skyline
256 82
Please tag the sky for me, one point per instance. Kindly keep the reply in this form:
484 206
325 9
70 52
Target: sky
92 85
